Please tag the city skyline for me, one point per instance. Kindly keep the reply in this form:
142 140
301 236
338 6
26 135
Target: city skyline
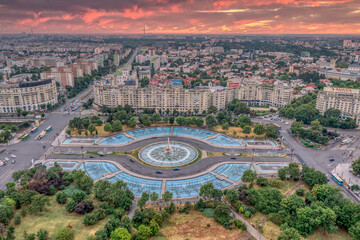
182 17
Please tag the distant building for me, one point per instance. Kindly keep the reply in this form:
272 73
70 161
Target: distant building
344 99
27 95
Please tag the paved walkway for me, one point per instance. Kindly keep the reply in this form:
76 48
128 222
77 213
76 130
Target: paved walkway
249 228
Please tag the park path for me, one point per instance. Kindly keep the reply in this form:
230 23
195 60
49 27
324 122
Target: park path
249 228
294 189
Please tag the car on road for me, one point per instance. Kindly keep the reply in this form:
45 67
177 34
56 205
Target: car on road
91 156
13 161
233 158
131 160
331 159
159 172
6 159
176 169
13 156
1 163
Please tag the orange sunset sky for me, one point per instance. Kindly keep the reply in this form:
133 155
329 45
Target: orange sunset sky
181 16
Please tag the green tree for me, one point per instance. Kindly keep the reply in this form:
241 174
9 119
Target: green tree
354 231
232 195
144 232
167 196
144 119
266 200
91 128
120 234
271 132
289 234
166 119
108 127
154 196
259 129
156 117
172 120
210 121
38 203
211 110
199 122
247 129
249 176
225 126
117 126
154 227
132 122
207 190
356 166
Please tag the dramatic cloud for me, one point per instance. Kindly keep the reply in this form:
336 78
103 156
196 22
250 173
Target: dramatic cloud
181 16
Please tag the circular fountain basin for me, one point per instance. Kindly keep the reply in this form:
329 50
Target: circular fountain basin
165 154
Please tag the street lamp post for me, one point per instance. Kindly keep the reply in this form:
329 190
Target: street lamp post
82 152
44 147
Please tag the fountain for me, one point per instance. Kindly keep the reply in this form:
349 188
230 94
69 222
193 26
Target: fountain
168 154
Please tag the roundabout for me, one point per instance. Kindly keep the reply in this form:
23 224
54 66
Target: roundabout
168 154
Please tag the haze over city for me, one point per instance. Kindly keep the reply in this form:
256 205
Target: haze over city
182 16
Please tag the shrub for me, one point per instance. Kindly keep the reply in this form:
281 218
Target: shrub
52 190
78 196
239 224
64 234
92 218
84 207
300 192
70 206
247 214
261 181
209 212
276 183
61 198
101 235
42 234
17 219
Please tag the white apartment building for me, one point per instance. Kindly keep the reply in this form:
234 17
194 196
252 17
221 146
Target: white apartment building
344 99
27 95
111 94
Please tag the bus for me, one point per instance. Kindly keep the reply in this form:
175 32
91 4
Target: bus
26 136
337 179
34 129
48 129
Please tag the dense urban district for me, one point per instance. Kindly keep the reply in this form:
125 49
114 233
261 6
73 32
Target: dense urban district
179 137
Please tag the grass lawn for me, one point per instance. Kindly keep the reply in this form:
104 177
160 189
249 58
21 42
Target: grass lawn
239 132
194 226
55 218
101 132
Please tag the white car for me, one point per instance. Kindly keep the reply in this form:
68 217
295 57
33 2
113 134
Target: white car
13 156
6 159
1 163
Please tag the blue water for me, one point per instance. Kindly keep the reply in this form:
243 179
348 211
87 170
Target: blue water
118 139
198 133
66 165
270 167
83 141
234 171
138 185
191 187
96 170
149 132
225 141
257 142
